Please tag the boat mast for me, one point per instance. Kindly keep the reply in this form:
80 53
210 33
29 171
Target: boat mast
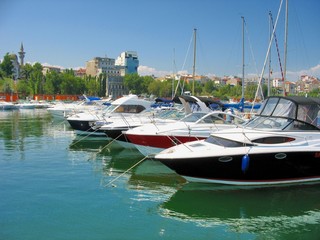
270 31
174 73
242 57
285 50
194 58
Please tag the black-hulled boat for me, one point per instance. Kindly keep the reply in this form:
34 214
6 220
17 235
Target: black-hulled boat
280 145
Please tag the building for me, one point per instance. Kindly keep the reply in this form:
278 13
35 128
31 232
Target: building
46 69
100 65
81 72
114 70
129 61
115 87
290 88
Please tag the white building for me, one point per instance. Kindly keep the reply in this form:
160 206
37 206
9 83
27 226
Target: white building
129 61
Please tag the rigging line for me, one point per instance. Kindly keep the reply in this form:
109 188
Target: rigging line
252 55
112 141
133 166
87 135
185 59
251 50
267 55
277 46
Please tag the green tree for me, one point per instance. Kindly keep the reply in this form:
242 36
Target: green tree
26 71
36 79
7 66
208 88
133 83
23 88
314 92
71 84
7 85
52 82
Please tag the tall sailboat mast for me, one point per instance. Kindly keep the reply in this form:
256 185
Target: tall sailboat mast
285 50
269 74
194 58
242 57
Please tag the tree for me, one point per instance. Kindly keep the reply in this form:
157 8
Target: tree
26 71
208 88
35 81
23 88
133 82
6 66
7 86
52 82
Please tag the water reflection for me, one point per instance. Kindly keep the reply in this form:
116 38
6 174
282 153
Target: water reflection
270 213
275 211
20 127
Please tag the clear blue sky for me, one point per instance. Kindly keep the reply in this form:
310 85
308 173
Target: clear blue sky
68 33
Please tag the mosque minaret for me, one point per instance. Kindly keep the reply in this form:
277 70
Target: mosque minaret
21 55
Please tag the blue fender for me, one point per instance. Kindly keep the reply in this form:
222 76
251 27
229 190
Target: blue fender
245 163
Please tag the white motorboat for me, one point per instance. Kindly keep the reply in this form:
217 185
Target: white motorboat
61 110
124 106
154 137
281 145
7 105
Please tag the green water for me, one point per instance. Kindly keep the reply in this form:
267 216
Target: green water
57 185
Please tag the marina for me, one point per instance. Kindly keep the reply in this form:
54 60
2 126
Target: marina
60 185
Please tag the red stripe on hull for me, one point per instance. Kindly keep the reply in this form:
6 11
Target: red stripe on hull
160 141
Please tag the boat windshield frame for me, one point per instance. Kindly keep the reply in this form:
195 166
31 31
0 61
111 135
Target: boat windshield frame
288 113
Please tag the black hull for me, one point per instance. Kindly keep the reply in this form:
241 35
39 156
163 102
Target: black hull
117 134
82 125
262 168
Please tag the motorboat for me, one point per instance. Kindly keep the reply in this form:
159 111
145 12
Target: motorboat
280 145
7 105
61 110
115 127
124 106
152 138
179 107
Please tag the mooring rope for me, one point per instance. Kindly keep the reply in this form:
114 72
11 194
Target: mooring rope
133 166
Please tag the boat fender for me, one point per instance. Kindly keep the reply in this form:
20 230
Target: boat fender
245 163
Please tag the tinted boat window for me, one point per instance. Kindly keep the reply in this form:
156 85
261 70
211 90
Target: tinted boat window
274 140
225 142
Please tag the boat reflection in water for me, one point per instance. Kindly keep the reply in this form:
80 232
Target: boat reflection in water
274 213
107 156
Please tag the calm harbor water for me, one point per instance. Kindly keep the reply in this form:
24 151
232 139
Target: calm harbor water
57 185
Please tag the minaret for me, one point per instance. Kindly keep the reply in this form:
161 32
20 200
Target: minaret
21 55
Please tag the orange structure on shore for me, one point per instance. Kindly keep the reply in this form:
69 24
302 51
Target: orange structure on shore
13 97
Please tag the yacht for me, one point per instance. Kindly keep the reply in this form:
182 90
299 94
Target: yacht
280 145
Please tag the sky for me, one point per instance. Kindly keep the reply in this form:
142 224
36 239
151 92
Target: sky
68 33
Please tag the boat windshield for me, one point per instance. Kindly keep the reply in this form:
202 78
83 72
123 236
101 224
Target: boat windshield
127 108
170 114
294 108
271 123
193 117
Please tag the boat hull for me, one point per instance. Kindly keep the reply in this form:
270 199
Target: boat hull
160 141
117 133
269 168
81 125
